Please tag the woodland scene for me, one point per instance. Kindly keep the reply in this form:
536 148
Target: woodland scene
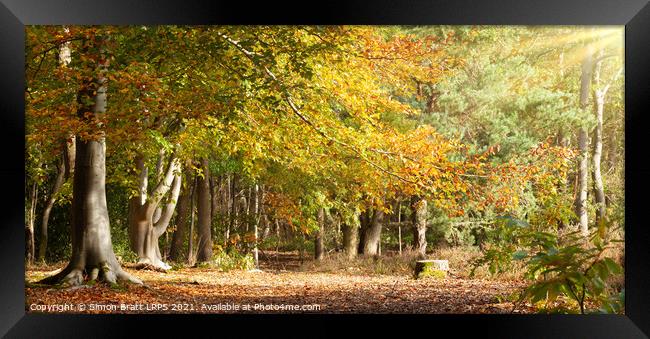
324 169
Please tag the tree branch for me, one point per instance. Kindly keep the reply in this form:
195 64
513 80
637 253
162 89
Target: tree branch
609 83
165 184
168 211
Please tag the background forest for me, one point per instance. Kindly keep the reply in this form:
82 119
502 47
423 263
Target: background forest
342 149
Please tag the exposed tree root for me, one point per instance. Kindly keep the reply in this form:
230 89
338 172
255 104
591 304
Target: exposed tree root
153 265
150 267
71 277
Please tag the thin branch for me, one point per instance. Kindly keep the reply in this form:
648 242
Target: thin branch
606 88
603 57
165 184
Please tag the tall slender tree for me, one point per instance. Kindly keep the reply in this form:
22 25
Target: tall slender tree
203 211
583 142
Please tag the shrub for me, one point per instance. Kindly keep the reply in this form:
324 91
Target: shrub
232 260
568 273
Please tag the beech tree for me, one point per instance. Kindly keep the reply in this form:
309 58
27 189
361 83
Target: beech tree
147 219
92 249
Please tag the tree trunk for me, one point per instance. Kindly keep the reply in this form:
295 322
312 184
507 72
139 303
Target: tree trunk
419 207
69 156
350 240
364 224
92 250
256 226
233 208
147 219
599 98
597 157
190 239
215 184
58 182
319 249
29 226
372 234
227 201
160 226
181 224
583 177
203 210
583 144
267 226
399 225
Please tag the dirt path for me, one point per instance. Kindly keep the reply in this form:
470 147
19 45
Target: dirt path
275 290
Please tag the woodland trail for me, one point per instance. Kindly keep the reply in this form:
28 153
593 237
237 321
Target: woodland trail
277 288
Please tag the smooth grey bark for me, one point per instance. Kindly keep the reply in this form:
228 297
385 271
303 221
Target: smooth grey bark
583 144
148 220
267 226
372 233
92 250
419 207
190 240
160 226
350 239
182 209
256 226
319 247
69 156
203 210
599 99
583 177
599 189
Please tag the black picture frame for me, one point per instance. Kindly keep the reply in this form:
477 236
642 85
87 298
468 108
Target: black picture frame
634 14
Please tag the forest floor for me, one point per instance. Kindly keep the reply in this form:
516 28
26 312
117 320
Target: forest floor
281 286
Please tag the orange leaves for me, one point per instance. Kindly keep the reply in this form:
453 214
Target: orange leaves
356 288
282 206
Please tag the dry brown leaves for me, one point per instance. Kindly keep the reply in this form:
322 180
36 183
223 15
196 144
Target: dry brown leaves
204 290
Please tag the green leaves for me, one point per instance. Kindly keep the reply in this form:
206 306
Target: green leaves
512 222
160 140
519 255
612 266
564 270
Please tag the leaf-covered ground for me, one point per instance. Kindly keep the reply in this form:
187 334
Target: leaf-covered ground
276 288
